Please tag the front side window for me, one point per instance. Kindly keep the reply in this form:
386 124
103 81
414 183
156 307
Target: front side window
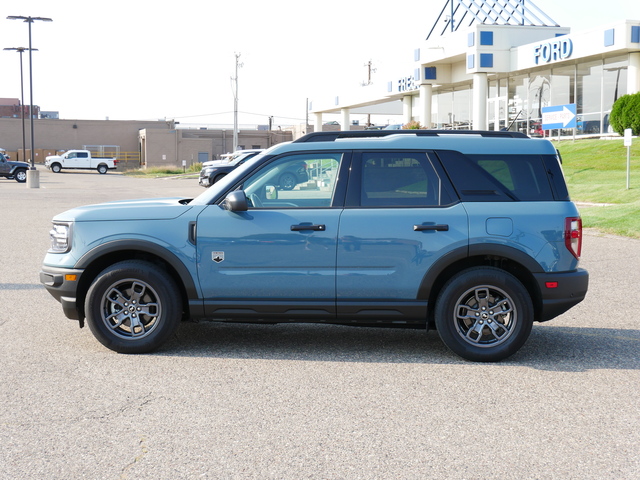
299 180
400 179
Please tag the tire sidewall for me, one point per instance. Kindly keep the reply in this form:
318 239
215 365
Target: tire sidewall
167 293
102 169
284 178
56 168
21 176
461 283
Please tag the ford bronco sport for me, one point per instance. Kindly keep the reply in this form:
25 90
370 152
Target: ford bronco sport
471 231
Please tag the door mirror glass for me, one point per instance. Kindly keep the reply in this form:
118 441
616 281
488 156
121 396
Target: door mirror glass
271 192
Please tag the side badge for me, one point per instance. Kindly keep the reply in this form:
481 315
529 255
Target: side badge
217 256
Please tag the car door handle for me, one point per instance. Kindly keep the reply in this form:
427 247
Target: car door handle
437 228
308 226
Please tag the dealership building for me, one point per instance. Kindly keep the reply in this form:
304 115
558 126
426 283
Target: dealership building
500 64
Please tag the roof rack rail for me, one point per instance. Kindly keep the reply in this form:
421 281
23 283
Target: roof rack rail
333 136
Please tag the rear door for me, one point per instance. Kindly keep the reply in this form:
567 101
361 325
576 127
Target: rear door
401 216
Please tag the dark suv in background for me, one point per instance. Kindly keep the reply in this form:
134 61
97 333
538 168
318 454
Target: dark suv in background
214 171
13 170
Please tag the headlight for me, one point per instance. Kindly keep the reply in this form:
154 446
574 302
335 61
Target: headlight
60 236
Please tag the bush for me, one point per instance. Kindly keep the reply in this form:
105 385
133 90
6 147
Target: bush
626 114
412 125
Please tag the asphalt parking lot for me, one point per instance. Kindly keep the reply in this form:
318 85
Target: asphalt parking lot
225 401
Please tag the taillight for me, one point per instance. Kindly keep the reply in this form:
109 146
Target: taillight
573 235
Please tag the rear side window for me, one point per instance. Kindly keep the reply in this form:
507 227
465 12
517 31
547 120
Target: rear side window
399 179
498 178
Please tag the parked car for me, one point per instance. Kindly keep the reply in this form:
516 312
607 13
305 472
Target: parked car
13 170
294 175
472 232
230 157
212 171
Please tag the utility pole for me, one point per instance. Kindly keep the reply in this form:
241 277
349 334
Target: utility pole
235 103
370 70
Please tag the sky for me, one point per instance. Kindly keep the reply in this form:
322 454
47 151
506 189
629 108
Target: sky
151 60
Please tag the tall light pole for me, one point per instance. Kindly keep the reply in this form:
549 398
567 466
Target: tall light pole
21 50
33 179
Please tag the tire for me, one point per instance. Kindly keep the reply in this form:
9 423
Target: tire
218 178
133 307
56 167
484 314
20 175
102 169
288 181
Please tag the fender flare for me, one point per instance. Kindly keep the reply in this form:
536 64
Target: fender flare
474 250
143 246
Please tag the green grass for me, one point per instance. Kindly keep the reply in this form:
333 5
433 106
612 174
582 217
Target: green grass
157 172
596 172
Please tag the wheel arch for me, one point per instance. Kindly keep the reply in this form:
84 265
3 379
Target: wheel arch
509 259
110 253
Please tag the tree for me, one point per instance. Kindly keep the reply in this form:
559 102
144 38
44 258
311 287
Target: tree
626 114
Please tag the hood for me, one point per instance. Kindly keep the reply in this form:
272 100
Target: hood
18 164
123 210
215 163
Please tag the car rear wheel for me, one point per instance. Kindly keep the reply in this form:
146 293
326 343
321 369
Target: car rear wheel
133 307
102 169
484 314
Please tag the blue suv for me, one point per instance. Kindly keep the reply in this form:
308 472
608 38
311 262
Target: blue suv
472 232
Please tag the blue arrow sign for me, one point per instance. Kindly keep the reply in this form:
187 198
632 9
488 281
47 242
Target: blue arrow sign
559 116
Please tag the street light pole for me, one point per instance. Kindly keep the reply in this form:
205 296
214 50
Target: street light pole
21 50
33 179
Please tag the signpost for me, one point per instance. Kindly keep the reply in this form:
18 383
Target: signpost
559 117
627 143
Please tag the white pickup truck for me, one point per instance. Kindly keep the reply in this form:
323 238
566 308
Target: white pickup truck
80 159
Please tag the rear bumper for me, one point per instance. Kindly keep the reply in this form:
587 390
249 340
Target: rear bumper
561 291
58 284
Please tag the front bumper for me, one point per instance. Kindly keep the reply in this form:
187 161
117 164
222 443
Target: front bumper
204 181
561 291
58 283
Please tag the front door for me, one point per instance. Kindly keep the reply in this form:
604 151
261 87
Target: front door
277 259
5 168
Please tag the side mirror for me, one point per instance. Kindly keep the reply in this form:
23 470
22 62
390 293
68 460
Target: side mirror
236 202
271 192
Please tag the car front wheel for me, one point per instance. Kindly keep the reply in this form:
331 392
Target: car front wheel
55 168
21 176
133 307
484 314
287 181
